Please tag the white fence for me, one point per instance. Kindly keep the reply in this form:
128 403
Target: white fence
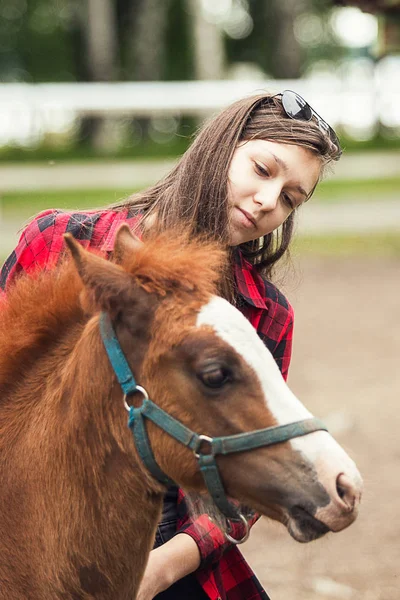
29 111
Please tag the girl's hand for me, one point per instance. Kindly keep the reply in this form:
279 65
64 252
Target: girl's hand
167 564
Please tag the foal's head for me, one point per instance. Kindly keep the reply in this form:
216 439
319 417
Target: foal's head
202 362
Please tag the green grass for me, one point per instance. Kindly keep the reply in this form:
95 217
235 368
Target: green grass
382 244
358 189
20 205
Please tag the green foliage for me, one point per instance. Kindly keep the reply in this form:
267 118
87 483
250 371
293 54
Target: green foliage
179 48
263 46
19 206
37 40
43 40
258 47
146 149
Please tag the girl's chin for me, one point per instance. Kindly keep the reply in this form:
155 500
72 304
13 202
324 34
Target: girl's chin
242 229
237 238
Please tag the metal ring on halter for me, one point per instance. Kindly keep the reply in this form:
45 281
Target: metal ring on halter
201 438
246 535
140 389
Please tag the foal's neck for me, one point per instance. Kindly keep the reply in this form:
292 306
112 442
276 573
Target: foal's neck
114 503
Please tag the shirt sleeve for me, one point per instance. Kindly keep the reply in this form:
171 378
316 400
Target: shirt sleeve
41 244
210 540
38 248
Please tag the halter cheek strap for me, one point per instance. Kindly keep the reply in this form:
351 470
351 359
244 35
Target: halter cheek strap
219 445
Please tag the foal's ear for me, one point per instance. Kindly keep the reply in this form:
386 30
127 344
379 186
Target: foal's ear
107 283
126 242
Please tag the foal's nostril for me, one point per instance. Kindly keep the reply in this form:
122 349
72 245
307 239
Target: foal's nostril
340 490
347 491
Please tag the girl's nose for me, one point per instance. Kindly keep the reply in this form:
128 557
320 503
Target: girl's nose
267 199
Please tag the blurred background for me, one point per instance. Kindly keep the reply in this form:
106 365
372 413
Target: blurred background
99 97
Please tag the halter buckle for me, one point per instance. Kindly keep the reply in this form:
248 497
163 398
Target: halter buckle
199 441
138 388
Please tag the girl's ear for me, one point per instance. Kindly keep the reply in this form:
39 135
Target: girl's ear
106 283
125 243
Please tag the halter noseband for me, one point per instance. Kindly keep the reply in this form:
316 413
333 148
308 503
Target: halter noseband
217 445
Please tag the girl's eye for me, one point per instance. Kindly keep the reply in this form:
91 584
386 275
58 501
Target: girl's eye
288 201
261 170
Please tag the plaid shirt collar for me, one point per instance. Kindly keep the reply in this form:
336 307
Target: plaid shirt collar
250 284
120 218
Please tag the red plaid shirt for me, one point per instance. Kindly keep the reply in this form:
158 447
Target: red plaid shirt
223 572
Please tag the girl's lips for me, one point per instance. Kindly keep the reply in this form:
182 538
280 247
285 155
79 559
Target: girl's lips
245 218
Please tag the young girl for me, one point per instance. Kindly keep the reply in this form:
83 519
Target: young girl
240 182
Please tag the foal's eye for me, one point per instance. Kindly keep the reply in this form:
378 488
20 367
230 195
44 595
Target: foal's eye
215 377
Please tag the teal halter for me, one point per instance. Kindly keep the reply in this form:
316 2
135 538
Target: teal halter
217 445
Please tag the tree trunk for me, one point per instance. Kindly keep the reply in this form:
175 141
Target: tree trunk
146 39
101 36
100 32
287 55
209 49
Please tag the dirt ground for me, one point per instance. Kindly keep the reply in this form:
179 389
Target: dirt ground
346 369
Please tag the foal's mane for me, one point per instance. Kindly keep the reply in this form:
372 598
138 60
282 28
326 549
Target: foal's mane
38 309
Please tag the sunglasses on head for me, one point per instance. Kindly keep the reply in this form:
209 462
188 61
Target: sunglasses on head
297 108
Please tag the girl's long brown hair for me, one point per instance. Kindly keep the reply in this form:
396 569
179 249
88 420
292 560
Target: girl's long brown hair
195 193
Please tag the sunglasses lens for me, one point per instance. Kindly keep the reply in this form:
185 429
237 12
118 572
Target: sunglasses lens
295 106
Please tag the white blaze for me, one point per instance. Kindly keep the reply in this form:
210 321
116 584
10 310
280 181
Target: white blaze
231 326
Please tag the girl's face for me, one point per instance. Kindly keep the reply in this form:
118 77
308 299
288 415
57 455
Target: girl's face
266 182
